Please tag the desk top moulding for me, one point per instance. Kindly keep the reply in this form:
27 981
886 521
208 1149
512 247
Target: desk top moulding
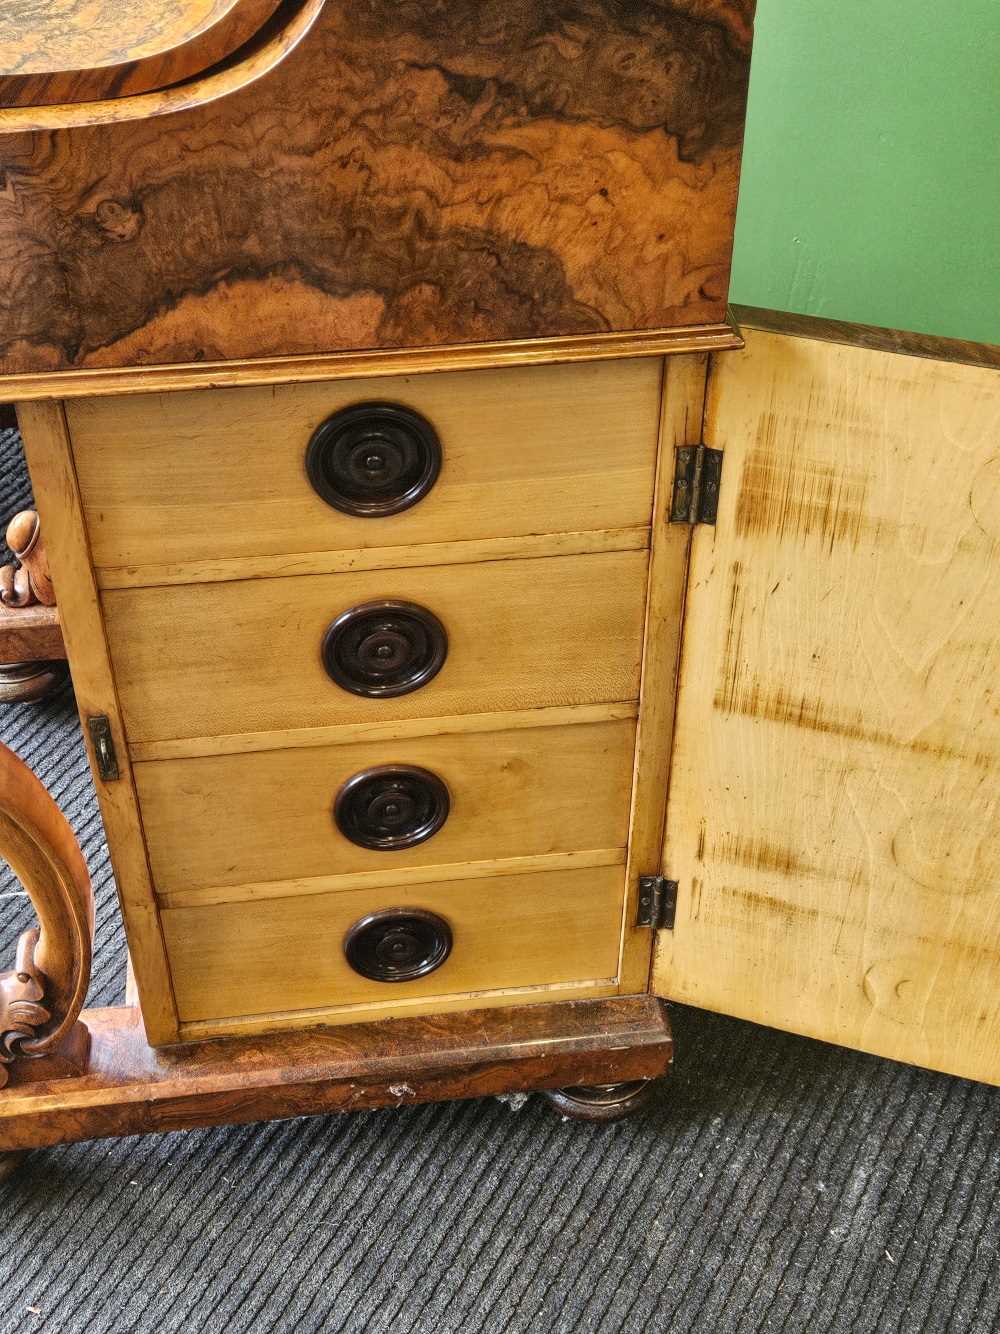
393 185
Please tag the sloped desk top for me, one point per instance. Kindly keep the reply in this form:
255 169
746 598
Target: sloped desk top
396 179
57 74
55 36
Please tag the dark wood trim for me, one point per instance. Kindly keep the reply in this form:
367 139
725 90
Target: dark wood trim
867 335
8 417
132 1089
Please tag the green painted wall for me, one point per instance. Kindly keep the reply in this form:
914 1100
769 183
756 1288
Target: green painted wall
871 179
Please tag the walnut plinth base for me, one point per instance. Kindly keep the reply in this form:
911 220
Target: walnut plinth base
132 1089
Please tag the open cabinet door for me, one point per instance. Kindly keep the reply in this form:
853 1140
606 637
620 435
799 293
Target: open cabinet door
833 820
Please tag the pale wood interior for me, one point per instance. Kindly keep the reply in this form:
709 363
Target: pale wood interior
525 793
286 954
834 813
682 410
245 656
192 480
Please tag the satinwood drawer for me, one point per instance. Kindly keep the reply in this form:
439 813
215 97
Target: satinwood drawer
269 816
284 955
246 656
186 486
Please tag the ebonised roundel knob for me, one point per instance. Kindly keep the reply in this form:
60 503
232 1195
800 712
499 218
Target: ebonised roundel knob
398 944
383 649
373 459
391 807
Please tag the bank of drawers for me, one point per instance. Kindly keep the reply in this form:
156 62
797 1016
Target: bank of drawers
377 649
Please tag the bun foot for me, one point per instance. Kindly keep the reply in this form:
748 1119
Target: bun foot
601 1102
29 682
10 1162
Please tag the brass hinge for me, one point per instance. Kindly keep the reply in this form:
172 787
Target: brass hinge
657 902
104 747
697 478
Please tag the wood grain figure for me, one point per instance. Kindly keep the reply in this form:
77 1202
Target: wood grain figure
112 54
172 483
52 36
406 177
511 932
262 53
31 635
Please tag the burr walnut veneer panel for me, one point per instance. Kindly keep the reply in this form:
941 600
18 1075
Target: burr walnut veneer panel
56 36
82 50
410 175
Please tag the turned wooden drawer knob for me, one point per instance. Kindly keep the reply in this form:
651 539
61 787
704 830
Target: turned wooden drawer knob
391 807
373 459
383 649
398 944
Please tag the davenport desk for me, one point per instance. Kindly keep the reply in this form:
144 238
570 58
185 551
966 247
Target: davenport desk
478 632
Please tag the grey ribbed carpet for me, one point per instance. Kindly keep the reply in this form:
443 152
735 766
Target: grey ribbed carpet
778 1184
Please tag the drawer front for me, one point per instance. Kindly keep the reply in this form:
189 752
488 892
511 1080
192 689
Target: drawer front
181 478
220 659
282 955
236 819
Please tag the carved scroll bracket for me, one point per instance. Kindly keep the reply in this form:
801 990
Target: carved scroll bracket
41 999
32 652
22 1014
30 582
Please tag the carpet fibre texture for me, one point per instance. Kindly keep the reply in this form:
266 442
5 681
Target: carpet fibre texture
776 1184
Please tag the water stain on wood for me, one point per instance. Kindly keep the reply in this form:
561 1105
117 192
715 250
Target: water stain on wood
784 492
741 691
768 904
777 705
759 853
732 651
883 935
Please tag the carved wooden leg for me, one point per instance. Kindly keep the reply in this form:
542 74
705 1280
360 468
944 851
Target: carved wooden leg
41 998
601 1102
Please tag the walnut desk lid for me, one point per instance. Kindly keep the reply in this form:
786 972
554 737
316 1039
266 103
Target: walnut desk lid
53 36
412 185
66 63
